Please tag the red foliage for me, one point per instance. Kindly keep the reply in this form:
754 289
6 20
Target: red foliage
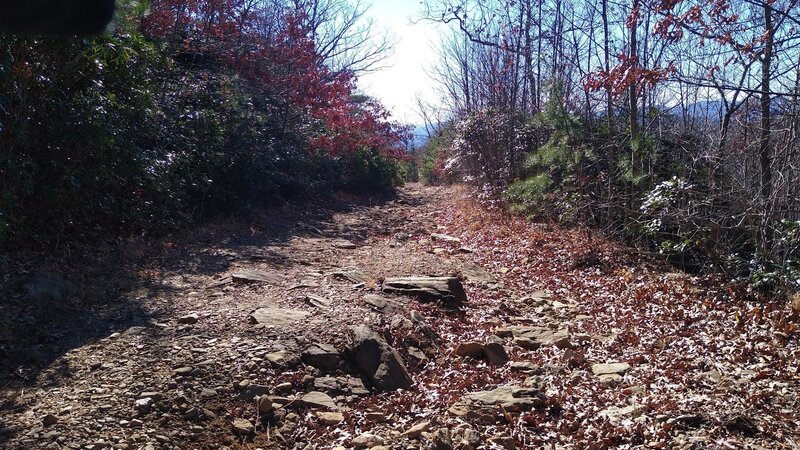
285 63
711 19
625 73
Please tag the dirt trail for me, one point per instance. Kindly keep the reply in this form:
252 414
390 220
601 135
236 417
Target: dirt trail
239 313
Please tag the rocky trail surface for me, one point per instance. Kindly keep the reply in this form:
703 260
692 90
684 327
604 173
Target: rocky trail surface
422 321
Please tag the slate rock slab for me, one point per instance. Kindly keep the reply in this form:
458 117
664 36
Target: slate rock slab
448 290
252 276
316 399
617 368
445 238
511 398
382 303
475 274
242 427
276 316
322 356
535 337
344 244
353 276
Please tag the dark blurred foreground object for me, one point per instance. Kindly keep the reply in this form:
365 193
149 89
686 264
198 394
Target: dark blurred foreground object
55 17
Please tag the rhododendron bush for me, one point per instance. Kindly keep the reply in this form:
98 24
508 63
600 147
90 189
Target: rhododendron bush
284 62
189 108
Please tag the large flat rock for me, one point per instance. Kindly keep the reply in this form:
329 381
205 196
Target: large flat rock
510 398
535 337
256 276
448 290
276 316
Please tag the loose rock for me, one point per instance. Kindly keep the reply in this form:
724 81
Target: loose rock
49 420
250 276
283 359
329 418
417 429
448 290
366 440
535 337
242 427
495 353
445 238
277 317
316 399
471 349
188 319
511 398
322 356
381 363
610 368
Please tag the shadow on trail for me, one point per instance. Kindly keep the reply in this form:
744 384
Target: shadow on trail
49 307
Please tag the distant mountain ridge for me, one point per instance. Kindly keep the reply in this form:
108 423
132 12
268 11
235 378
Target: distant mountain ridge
420 136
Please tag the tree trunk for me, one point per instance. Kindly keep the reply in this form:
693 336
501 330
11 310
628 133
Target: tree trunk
766 129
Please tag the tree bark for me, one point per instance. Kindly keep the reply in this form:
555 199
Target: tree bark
766 131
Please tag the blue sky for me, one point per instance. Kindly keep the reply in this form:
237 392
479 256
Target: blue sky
398 85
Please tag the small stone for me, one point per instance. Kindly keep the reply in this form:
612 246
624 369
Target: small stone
417 429
264 404
191 413
445 238
143 404
470 349
471 437
283 388
502 440
329 418
49 420
207 393
713 375
511 398
321 356
183 371
378 361
375 416
316 399
402 236
188 319
344 244
495 353
156 396
441 439
253 390
283 359
242 427
366 440
610 368
526 366
609 378
616 414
